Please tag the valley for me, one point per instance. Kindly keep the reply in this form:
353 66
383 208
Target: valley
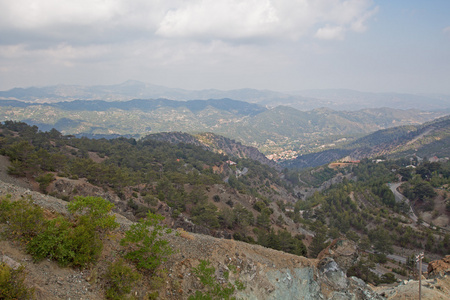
224 150
282 133
276 178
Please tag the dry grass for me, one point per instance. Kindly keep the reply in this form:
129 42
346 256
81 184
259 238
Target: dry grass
184 234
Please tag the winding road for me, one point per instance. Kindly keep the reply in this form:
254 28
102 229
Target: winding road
399 198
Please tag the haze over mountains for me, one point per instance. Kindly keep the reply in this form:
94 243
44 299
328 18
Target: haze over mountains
337 99
273 130
322 124
431 139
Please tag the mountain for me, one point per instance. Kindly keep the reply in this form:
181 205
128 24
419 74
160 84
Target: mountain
343 99
271 131
426 140
134 89
215 143
229 105
199 191
336 99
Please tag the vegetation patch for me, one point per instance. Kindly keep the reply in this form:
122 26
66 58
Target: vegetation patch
212 288
12 284
74 241
145 247
120 280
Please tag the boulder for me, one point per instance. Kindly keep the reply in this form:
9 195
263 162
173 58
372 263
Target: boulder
344 252
9 261
439 268
334 274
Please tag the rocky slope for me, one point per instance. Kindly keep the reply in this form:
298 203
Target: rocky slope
215 143
265 273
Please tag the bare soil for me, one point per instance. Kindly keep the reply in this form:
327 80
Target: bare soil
439 216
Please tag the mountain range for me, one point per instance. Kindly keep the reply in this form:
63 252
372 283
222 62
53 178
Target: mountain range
427 140
271 130
337 99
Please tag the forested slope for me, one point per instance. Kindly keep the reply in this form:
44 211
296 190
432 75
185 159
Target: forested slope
204 192
425 140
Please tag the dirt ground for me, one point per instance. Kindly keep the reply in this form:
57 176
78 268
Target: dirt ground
439 216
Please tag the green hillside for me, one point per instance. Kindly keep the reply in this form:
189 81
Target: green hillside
426 140
205 192
270 130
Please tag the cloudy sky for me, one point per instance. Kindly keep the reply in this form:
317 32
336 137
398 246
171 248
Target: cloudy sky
283 45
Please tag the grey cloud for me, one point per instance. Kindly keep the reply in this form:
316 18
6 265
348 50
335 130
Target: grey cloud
93 21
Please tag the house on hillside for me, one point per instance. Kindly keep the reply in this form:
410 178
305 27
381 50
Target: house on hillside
433 159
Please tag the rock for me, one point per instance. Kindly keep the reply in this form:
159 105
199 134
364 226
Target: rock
439 268
184 223
333 273
344 252
10 262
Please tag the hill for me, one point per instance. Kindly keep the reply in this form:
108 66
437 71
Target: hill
354 100
337 99
271 131
215 143
203 192
426 140
257 272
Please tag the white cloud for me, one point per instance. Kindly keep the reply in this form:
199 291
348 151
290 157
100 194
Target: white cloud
220 18
230 19
48 40
40 13
201 19
330 33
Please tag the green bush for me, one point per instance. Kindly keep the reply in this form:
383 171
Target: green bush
5 208
68 245
12 283
363 270
94 212
25 220
75 242
399 271
145 247
214 290
120 280
388 278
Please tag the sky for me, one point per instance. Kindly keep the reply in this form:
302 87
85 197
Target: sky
281 45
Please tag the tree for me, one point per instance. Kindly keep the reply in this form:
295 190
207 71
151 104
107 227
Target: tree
205 214
318 243
94 212
243 216
381 240
146 248
44 181
263 219
423 190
